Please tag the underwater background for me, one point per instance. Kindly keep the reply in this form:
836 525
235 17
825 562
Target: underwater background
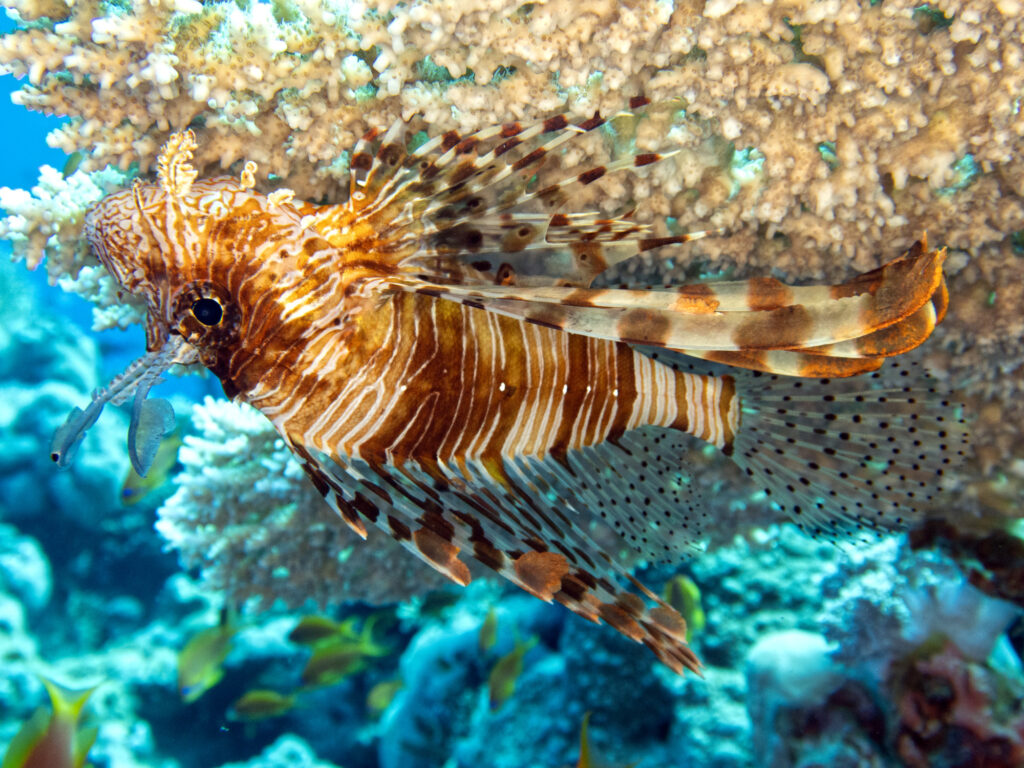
902 652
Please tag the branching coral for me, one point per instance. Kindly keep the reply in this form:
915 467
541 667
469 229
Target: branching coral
245 515
869 118
820 135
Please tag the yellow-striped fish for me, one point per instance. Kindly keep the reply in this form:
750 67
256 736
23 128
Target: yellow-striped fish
433 353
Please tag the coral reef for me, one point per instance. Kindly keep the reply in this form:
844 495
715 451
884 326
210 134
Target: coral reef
822 136
286 752
247 517
862 125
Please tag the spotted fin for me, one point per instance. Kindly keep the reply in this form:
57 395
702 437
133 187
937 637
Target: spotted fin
846 456
546 525
525 249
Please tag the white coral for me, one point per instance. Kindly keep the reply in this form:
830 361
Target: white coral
245 514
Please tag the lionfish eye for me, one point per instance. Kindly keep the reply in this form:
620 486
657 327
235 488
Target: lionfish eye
208 311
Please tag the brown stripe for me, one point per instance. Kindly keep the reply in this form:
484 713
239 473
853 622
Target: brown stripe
541 573
449 140
504 147
361 161
556 123
643 326
389 154
581 298
766 293
646 159
579 371
510 129
625 383
595 122
488 555
782 328
648 243
724 404
529 159
638 101
399 529
467 145
461 173
550 195
366 507
592 175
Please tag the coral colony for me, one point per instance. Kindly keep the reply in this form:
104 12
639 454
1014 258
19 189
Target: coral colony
816 141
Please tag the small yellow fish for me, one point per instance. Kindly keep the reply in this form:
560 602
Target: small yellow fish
201 661
684 595
501 683
586 761
330 664
313 630
382 694
73 162
334 660
489 630
136 488
261 704
53 739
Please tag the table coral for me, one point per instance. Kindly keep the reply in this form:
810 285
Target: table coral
859 111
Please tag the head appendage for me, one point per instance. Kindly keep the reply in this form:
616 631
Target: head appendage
137 198
136 380
174 170
247 180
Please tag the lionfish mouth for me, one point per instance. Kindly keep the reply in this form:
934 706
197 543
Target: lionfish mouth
151 419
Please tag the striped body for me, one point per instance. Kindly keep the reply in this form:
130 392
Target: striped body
437 382
433 353
409 376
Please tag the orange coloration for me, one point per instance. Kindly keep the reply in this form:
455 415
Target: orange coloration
434 354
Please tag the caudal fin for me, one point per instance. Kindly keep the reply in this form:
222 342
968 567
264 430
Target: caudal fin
850 455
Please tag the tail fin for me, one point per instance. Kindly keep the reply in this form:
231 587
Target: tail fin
850 455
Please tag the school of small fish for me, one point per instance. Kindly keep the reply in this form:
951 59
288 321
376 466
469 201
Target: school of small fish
433 353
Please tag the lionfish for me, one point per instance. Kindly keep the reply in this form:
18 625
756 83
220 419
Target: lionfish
433 353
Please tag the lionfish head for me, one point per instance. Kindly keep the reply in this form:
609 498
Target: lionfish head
139 235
